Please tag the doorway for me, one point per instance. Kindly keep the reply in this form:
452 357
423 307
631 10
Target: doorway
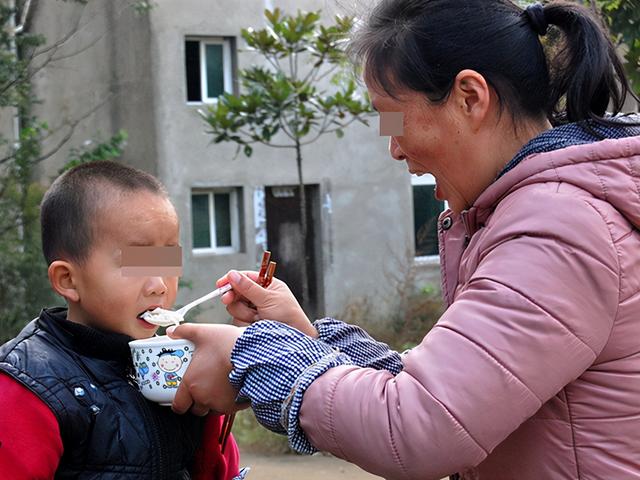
284 239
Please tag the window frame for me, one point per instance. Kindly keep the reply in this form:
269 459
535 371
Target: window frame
416 181
227 66
234 219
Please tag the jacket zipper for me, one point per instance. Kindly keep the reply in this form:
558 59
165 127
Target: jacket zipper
157 449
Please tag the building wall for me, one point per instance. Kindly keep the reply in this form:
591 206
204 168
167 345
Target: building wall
134 70
98 77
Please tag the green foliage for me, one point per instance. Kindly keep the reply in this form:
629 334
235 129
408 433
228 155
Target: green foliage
288 96
15 88
302 94
623 19
94 150
419 313
143 7
24 285
23 272
255 438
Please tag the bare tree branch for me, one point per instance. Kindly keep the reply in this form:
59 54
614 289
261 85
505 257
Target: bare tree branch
82 50
331 130
55 46
249 135
77 29
72 127
325 74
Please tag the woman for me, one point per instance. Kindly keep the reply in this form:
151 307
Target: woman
533 371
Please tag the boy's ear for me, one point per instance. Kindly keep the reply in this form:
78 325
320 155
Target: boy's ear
61 277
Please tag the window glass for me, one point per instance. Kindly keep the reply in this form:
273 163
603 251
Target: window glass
200 221
426 209
215 70
223 219
192 56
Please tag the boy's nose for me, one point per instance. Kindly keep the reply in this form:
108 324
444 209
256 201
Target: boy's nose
155 286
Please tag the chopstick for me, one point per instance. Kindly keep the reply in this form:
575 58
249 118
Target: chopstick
265 277
271 269
264 267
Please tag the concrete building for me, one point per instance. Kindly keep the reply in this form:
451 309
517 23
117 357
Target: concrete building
149 74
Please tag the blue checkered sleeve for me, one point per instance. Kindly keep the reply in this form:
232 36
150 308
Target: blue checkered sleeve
273 365
361 348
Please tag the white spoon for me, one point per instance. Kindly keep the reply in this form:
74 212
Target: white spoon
165 318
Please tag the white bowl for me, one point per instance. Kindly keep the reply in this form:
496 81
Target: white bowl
160 363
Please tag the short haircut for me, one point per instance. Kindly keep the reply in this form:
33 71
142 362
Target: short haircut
70 206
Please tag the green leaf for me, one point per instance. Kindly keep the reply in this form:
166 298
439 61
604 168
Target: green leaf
292 92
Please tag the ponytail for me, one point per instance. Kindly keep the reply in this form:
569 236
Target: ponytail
586 73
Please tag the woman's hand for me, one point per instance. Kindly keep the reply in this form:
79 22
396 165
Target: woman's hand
273 303
205 385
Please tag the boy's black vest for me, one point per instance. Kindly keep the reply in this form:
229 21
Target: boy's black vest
108 429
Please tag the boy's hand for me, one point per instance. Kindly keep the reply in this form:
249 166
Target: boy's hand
273 303
205 386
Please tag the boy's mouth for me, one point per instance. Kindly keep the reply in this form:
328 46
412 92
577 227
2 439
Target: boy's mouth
149 309
144 322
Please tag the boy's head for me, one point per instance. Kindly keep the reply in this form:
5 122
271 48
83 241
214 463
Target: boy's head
89 215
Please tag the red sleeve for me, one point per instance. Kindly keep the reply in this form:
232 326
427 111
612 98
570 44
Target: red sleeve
30 442
210 463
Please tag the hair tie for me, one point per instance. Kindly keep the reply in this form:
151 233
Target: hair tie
535 16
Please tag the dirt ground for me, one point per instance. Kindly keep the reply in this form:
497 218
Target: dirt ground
300 467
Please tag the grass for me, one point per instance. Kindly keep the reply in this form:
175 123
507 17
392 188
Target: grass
252 437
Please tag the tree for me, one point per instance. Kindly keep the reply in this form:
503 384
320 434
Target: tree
623 19
303 93
24 286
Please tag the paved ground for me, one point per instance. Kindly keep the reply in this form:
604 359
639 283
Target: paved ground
301 467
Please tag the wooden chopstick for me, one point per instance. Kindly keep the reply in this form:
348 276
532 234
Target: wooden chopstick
264 266
271 269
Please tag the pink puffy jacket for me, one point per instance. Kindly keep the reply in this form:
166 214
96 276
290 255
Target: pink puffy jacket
533 371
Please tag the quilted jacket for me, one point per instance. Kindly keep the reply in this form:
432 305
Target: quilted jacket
533 371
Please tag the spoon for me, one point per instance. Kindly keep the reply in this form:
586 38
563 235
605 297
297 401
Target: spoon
165 318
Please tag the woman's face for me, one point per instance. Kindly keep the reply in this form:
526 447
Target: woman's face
435 140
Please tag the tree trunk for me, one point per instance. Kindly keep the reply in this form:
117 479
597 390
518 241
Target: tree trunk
306 300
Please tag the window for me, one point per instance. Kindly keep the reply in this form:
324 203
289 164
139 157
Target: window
215 220
426 209
208 68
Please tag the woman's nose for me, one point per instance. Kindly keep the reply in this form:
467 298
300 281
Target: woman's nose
395 150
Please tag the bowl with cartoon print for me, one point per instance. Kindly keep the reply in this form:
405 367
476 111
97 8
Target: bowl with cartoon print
160 363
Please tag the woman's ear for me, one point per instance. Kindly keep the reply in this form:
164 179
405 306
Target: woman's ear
62 278
472 96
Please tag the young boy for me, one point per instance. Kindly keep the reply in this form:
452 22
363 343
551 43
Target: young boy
70 407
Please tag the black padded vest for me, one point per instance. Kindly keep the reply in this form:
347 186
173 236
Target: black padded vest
108 429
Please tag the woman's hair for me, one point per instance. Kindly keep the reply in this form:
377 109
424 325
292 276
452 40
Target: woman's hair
421 45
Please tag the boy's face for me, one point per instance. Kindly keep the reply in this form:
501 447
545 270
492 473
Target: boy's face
108 299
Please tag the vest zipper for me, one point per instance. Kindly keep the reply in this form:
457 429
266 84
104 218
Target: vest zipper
157 456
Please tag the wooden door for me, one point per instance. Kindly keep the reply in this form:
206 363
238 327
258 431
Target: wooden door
284 240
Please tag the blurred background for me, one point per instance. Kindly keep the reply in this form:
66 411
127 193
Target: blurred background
252 117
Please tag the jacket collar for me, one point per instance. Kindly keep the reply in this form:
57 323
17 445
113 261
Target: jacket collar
85 340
